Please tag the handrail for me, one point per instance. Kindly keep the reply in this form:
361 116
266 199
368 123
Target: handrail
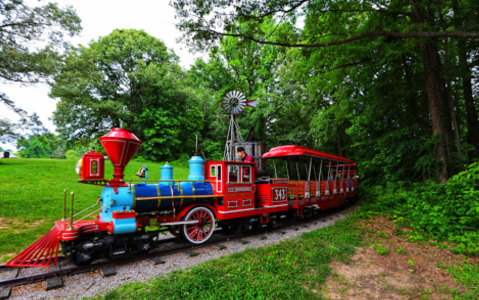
93 212
172 180
174 197
84 210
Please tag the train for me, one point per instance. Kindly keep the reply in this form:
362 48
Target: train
129 215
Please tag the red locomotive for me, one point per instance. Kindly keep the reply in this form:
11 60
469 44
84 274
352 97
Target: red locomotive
217 193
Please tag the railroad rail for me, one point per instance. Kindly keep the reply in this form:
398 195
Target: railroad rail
180 247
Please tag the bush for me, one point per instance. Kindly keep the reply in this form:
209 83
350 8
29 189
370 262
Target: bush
181 162
443 212
71 154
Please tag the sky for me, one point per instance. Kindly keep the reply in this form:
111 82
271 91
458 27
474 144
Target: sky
100 18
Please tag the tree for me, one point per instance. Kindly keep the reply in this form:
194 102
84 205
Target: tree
205 22
126 79
22 29
426 26
39 145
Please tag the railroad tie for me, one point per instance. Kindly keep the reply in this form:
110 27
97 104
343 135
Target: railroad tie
10 274
190 253
107 271
219 246
5 292
156 260
53 283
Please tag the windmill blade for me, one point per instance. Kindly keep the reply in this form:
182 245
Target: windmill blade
252 103
226 103
234 102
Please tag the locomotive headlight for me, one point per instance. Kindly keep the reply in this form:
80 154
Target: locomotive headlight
79 166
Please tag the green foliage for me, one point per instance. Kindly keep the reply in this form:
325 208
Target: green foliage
342 80
181 162
39 145
271 272
380 249
71 154
448 212
127 79
468 276
30 39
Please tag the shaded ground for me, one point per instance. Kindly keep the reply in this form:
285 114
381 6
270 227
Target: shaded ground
390 267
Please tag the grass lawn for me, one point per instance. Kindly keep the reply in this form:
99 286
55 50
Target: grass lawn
293 269
31 196
352 259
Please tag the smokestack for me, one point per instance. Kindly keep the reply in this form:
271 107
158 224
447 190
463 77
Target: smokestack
120 145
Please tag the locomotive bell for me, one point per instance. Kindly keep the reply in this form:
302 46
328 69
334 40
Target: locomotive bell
142 172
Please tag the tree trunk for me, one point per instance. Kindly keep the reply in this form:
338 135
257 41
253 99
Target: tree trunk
471 112
412 99
446 113
434 103
434 110
452 111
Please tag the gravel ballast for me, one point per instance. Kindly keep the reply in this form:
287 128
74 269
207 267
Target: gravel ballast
90 284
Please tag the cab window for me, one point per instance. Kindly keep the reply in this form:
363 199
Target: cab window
233 174
247 170
213 171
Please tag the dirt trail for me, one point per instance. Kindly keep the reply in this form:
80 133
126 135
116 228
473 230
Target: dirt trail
407 271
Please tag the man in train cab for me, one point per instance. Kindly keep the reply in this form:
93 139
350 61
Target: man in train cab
241 153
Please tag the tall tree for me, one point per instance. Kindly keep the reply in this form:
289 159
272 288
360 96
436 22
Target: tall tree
128 79
355 23
23 28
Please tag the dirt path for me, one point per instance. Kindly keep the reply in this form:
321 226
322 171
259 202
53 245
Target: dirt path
390 267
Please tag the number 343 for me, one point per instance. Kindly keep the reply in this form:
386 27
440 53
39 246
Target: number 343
279 194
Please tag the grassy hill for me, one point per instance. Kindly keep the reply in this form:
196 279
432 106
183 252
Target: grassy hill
31 196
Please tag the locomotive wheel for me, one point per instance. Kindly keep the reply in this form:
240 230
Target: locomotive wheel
143 246
200 232
82 257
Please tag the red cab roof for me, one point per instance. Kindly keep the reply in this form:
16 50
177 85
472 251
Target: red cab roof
299 152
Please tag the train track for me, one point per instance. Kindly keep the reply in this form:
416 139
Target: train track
178 247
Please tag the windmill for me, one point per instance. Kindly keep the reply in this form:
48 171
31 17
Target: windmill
234 103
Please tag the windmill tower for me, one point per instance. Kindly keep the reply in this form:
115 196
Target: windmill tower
234 103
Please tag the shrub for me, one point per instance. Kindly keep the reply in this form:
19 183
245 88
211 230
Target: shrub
444 212
71 154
